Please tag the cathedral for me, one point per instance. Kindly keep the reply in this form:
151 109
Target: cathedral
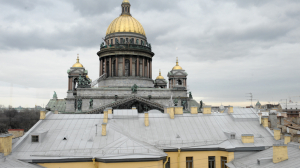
125 74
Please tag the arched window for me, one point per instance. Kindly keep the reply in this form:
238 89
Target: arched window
111 41
123 9
127 67
179 82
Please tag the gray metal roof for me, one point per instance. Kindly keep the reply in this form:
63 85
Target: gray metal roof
57 105
267 155
244 113
11 162
128 137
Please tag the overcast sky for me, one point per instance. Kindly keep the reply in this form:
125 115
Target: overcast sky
228 48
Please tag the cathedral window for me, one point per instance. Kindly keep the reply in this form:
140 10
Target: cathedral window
111 41
126 40
121 39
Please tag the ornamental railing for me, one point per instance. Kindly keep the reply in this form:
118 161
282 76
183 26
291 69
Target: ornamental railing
127 46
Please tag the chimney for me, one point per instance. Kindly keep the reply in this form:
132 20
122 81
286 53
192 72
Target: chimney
206 109
247 138
230 109
105 116
264 121
259 117
280 153
287 138
104 129
146 119
178 110
6 144
170 111
42 115
109 110
194 110
277 133
273 118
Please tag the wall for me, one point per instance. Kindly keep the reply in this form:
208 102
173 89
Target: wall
200 158
103 96
16 132
152 164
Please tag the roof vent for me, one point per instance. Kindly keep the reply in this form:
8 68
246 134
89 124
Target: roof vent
65 139
177 136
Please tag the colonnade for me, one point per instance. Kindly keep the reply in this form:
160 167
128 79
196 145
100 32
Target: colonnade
118 66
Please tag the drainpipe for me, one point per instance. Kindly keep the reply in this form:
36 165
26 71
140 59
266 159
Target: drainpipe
178 158
166 162
95 164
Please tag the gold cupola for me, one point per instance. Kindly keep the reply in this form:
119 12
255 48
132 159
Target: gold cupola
159 76
77 64
177 67
125 22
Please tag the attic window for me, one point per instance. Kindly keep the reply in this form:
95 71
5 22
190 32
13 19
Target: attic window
232 136
34 138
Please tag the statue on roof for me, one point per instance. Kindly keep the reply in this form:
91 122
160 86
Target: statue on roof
190 95
102 44
201 104
79 104
54 95
175 102
83 82
183 104
91 103
134 88
117 41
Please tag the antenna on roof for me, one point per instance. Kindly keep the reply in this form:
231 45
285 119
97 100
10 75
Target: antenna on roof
251 97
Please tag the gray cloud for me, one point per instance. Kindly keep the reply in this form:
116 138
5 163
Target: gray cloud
228 48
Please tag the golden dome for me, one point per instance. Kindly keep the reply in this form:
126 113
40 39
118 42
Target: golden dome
126 1
177 67
159 76
78 64
125 23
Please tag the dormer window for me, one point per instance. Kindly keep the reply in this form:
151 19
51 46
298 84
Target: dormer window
34 138
232 136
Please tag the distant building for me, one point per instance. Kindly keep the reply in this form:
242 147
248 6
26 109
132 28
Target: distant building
292 109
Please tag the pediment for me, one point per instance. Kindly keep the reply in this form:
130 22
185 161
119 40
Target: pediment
78 71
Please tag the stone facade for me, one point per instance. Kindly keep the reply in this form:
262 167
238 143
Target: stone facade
106 95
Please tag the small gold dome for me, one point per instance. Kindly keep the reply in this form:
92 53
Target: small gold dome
177 67
124 1
87 77
159 76
125 23
78 64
